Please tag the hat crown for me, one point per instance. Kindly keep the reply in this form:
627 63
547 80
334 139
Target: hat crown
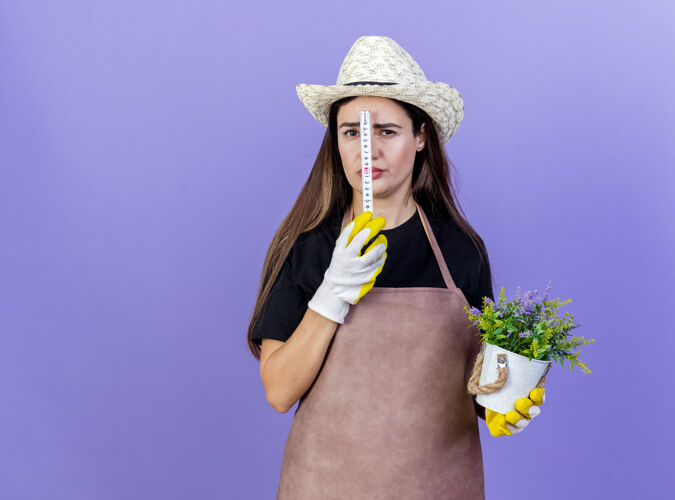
379 59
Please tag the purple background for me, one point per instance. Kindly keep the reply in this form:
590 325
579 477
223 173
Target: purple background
149 150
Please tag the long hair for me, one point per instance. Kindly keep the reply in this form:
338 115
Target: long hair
327 192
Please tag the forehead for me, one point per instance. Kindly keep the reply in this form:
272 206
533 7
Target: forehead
381 106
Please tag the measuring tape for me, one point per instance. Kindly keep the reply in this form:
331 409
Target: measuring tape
366 167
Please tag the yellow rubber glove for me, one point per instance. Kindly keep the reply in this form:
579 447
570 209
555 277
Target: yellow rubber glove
350 275
515 421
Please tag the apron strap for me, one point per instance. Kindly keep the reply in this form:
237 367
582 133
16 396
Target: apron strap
348 216
437 250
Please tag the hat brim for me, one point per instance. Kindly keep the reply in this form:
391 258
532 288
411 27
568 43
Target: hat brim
442 102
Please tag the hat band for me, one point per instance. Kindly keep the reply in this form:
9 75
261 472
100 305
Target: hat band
372 83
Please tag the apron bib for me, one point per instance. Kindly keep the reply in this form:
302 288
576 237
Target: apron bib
388 415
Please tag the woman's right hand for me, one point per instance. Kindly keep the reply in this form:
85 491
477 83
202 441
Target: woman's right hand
349 275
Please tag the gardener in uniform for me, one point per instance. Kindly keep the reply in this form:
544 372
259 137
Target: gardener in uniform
360 316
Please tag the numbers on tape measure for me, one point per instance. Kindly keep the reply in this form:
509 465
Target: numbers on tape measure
366 172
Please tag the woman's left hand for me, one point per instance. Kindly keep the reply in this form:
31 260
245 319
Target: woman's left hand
515 421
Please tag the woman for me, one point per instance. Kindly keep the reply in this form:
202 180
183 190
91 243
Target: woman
359 317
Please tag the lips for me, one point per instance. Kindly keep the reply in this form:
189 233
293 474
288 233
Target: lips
374 169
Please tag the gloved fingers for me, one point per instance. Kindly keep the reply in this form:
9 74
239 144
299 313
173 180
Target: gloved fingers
513 417
367 272
376 225
513 421
380 262
534 411
369 284
523 406
370 229
378 265
353 228
496 423
527 408
356 242
538 396
374 252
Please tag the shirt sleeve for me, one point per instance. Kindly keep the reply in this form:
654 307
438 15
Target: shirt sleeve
482 287
284 308
480 411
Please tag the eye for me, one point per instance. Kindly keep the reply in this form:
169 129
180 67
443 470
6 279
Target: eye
391 132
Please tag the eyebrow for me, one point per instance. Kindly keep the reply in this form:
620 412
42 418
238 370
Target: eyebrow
376 125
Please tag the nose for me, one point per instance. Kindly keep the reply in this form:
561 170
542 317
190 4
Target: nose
375 148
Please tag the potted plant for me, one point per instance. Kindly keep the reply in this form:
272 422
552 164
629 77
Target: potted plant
520 340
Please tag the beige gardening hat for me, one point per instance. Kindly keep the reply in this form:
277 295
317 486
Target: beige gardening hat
378 66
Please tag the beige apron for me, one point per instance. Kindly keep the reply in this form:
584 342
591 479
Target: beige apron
388 415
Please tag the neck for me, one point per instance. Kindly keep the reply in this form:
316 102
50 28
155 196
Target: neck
396 209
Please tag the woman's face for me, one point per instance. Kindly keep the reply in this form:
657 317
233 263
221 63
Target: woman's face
392 141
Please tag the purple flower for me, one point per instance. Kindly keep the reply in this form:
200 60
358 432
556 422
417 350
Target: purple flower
525 334
474 311
548 289
527 302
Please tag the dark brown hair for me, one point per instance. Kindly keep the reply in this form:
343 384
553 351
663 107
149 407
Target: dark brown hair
327 192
